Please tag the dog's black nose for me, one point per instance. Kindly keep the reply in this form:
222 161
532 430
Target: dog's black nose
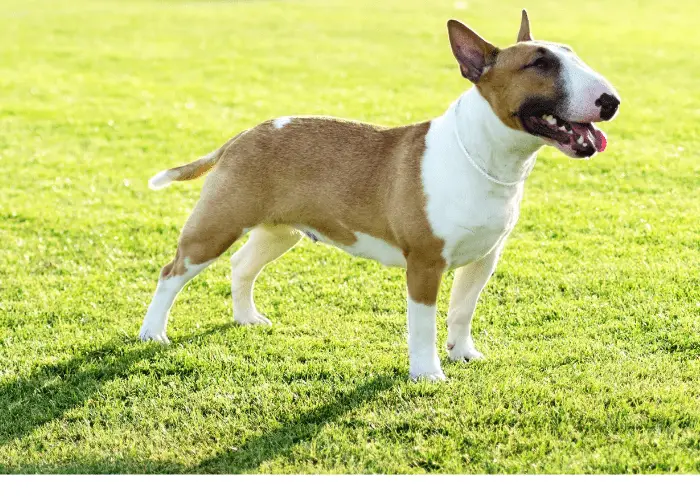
608 106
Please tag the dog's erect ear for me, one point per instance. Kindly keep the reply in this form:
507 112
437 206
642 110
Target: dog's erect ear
474 54
524 35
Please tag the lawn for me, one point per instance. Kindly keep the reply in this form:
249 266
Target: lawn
590 325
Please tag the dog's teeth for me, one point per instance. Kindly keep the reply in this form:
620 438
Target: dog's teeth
570 132
550 119
563 129
585 144
579 140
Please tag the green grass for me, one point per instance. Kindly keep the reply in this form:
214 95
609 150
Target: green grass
590 325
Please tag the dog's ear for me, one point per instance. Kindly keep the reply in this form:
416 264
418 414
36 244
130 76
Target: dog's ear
524 35
474 54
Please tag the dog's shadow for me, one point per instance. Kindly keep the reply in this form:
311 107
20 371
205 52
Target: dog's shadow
280 441
50 392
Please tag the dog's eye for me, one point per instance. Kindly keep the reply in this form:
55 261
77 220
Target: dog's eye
541 63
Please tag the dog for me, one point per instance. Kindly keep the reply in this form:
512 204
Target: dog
433 196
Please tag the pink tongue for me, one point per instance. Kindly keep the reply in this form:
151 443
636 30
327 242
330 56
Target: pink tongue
595 136
601 142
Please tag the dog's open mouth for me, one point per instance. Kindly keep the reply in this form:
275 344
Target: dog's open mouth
580 140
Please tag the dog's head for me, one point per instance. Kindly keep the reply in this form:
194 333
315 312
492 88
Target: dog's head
541 88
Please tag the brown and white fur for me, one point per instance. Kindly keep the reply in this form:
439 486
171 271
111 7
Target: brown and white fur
432 196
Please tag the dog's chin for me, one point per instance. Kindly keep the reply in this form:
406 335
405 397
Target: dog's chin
575 140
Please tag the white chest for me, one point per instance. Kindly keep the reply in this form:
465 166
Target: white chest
471 214
478 231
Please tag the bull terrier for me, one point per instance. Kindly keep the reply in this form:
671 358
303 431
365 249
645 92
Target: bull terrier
429 197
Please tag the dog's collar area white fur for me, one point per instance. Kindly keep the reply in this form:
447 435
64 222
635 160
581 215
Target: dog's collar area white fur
481 170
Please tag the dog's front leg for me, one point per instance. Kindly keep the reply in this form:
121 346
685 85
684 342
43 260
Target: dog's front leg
423 279
468 283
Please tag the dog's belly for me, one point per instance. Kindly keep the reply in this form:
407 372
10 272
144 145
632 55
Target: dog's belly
464 245
365 246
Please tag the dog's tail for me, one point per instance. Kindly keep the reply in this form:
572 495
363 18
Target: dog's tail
190 171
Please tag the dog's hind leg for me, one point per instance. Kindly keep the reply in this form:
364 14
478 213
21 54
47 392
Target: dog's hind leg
265 244
210 230
173 278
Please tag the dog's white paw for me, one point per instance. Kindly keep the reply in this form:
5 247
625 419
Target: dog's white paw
463 353
155 334
251 318
428 376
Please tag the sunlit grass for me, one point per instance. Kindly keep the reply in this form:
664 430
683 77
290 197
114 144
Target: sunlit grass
590 325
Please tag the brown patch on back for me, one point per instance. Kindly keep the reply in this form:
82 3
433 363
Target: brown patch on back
337 177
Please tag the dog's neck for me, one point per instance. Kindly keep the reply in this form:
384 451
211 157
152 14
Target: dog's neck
500 151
